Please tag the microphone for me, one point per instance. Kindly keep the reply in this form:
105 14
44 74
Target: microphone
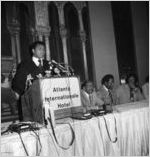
53 61
68 67
60 66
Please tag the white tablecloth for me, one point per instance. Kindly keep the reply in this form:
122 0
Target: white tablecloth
91 138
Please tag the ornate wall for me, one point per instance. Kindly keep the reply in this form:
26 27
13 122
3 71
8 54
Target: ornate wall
29 21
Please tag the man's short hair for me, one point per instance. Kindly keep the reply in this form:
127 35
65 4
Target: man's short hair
106 78
37 43
132 75
33 46
85 82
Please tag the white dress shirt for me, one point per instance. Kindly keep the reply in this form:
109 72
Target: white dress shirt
105 88
87 95
36 61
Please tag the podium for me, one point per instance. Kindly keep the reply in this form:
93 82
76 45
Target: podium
62 94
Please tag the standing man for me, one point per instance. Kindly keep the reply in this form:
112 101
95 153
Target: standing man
29 70
89 97
32 68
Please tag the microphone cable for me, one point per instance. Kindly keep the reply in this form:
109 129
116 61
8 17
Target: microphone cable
38 137
108 133
23 144
53 131
52 139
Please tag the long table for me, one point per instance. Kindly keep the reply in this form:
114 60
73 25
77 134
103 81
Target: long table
91 136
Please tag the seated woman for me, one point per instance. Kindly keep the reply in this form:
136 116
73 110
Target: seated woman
130 91
89 97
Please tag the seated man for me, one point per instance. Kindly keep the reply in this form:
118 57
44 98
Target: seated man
89 97
145 88
106 91
129 92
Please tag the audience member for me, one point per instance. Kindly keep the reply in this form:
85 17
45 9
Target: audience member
130 91
8 97
145 88
89 96
106 91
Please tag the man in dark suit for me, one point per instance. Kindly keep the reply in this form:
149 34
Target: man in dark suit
29 70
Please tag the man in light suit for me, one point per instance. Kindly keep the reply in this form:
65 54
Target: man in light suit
145 88
89 97
130 91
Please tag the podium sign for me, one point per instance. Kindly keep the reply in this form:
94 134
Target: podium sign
61 93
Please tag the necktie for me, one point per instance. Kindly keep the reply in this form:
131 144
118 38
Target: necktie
40 66
91 99
111 97
131 94
40 62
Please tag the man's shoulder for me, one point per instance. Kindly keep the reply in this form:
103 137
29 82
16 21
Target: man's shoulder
101 90
122 87
82 92
25 63
145 85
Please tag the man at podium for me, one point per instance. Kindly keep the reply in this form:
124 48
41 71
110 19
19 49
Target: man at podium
29 70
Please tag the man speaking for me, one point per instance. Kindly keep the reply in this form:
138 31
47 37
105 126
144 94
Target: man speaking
29 70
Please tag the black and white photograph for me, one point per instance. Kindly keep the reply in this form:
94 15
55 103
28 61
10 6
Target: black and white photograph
74 78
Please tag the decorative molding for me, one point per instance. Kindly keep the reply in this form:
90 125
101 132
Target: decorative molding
63 31
60 4
83 36
79 5
41 13
14 28
7 64
41 30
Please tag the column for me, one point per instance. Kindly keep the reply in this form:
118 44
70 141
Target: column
17 39
13 47
83 40
14 30
40 37
63 30
63 33
48 56
42 29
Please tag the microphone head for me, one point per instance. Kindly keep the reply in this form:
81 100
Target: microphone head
53 61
